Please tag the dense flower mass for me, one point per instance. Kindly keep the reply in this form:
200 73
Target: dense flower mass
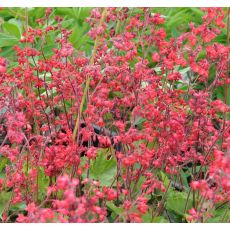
132 132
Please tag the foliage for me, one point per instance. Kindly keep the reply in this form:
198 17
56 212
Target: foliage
114 115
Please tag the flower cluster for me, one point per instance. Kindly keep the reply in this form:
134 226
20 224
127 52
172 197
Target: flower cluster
62 110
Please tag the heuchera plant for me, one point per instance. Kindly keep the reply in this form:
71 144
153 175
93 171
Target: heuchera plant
162 150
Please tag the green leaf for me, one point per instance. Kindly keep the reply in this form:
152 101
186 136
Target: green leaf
18 207
165 179
197 11
114 208
228 99
48 50
102 169
7 40
185 73
8 53
3 162
113 94
221 215
65 11
201 55
147 218
184 176
157 69
139 122
176 202
4 199
138 185
12 29
159 219
43 183
184 88
35 13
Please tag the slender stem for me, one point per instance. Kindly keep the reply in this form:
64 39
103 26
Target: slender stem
117 26
103 17
227 71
